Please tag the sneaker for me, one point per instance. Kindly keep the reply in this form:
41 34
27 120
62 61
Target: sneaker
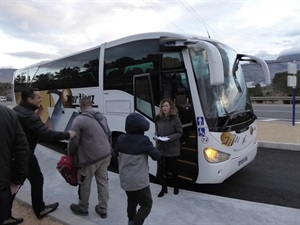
48 209
13 221
76 210
103 215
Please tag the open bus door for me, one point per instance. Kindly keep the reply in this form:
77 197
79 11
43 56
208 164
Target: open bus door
144 104
143 96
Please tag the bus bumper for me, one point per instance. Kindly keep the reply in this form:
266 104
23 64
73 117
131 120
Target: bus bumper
218 172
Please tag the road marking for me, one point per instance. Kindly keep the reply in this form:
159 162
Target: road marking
276 120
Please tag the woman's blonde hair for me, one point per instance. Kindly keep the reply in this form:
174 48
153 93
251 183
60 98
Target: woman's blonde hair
173 108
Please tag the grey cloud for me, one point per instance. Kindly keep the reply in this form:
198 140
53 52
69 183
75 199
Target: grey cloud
43 22
293 33
291 51
32 55
266 56
58 24
288 27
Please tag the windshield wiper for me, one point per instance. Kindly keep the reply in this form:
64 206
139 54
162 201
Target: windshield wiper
236 114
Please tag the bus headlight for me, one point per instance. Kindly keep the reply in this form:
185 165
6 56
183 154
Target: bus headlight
214 156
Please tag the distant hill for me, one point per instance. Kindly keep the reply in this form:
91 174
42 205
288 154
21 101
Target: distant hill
253 72
6 75
289 58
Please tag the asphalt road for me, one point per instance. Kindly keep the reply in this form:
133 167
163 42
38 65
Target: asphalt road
279 111
273 177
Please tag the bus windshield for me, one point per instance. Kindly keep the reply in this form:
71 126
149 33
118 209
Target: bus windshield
226 105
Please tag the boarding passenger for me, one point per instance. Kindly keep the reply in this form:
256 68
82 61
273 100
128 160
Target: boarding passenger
168 133
91 148
36 130
133 149
14 158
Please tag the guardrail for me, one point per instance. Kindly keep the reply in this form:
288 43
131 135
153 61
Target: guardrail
285 99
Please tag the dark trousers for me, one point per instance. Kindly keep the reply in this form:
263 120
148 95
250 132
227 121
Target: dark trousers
167 164
36 180
144 199
5 203
12 198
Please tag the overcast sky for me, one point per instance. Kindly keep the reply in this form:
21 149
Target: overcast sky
36 30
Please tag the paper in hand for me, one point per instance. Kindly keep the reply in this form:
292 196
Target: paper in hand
163 138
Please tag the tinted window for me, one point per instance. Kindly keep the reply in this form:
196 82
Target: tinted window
172 60
124 61
76 71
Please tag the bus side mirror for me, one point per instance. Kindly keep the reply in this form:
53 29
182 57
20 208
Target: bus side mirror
263 64
215 64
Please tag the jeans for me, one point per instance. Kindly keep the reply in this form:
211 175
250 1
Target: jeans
140 197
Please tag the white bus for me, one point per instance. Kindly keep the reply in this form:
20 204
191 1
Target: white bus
201 75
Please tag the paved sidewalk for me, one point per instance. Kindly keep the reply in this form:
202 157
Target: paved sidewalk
187 208
278 135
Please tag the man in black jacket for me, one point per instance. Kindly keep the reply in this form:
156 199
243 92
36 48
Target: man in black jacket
14 158
36 130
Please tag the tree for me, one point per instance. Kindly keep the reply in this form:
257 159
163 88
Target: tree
256 92
280 84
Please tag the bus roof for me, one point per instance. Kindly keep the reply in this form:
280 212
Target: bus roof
153 35
135 37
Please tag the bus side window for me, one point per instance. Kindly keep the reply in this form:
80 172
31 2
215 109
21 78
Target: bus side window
181 100
167 86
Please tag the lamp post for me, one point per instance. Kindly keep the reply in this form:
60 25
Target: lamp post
292 82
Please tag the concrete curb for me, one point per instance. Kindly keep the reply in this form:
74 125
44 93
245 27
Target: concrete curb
277 145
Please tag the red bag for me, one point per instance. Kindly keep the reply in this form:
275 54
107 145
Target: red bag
67 169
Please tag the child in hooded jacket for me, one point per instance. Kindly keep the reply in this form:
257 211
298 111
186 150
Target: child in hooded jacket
133 149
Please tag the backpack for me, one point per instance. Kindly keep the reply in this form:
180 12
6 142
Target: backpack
67 169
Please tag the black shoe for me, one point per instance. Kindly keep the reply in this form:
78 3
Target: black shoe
103 215
76 210
13 221
48 209
176 191
161 194
163 191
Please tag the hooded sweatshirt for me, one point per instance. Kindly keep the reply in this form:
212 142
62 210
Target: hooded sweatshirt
134 148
